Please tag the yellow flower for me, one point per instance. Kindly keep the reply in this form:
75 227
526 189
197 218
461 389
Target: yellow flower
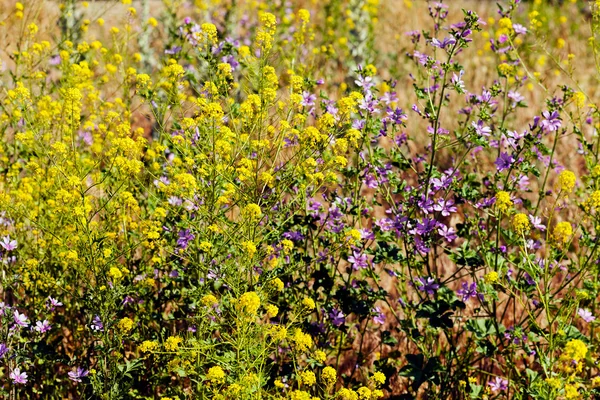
329 376
253 212
566 181
562 232
320 356
503 201
277 284
148 345
209 300
303 341
308 303
378 378
250 302
491 277
115 273
125 324
364 393
216 375
271 310
520 223
308 378
172 343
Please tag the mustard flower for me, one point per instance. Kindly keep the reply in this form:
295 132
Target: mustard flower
249 302
520 223
173 343
216 375
503 202
329 376
562 232
148 346
125 324
566 181
308 378
308 303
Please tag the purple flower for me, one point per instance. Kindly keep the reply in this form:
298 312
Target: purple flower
185 236
308 99
519 29
447 233
504 161
498 384
358 260
20 319
3 350
380 317
18 377
42 326
446 207
79 373
551 121
586 315
8 244
337 317
427 285
52 303
97 324
481 129
469 291
536 222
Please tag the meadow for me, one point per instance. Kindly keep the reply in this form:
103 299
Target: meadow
299 199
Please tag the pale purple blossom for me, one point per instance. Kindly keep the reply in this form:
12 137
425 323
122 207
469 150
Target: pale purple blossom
8 244
498 384
536 222
97 324
42 326
79 373
20 319
586 314
18 377
428 285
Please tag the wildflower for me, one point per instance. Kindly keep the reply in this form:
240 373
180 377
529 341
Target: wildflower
18 377
148 345
277 284
562 232
125 324
428 285
97 324
586 315
379 378
469 291
42 326
337 317
491 277
551 121
8 244
272 310
574 352
252 212
115 273
503 202
216 375
347 394
76 375
308 378
173 343
536 222
308 303
364 393
20 319
566 181
328 376
320 356
249 302
498 384
520 223
358 260
209 300
504 161
3 349
303 341
379 317
52 303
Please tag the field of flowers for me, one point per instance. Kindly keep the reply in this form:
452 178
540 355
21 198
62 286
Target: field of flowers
299 199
